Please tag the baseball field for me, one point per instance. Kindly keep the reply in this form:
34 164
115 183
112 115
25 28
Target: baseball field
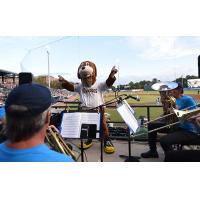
146 98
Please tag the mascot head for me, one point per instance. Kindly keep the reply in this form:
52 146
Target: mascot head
87 72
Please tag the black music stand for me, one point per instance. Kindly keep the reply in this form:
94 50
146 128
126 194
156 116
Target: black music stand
119 99
88 131
84 135
128 110
130 158
84 127
101 136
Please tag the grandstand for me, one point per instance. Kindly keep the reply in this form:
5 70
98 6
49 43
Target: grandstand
8 80
8 76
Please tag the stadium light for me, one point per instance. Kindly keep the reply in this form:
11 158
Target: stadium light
48 65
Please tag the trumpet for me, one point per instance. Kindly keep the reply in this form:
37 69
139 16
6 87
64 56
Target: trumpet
57 143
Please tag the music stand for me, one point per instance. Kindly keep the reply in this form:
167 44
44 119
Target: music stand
88 131
82 125
127 113
122 101
101 136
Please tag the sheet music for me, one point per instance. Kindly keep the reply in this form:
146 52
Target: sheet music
128 117
91 118
71 123
129 107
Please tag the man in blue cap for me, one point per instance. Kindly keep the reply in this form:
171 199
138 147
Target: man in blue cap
27 119
2 120
184 133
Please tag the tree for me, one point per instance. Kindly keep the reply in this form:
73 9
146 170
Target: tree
55 84
181 80
40 80
191 77
131 85
184 80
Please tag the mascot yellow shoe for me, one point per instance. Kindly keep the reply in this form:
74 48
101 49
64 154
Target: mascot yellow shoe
108 146
86 145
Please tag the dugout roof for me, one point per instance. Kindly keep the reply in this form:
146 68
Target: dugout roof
7 73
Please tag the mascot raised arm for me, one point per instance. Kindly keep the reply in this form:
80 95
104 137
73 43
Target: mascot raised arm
91 95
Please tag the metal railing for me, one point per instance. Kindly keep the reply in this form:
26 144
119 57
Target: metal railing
147 106
75 105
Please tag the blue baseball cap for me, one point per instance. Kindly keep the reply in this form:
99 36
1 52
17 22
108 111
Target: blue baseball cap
34 98
180 85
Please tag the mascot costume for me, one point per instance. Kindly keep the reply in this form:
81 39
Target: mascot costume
91 96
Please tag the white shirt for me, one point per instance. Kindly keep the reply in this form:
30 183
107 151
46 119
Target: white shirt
91 96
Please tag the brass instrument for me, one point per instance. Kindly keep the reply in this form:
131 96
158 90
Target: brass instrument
168 102
171 114
182 115
57 143
186 114
164 86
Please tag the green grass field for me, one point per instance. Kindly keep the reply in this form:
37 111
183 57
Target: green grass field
146 98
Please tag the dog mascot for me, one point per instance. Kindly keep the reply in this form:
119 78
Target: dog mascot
91 95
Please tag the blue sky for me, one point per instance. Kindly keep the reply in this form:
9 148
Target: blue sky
137 58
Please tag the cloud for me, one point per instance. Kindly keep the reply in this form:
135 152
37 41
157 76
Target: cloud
159 48
167 73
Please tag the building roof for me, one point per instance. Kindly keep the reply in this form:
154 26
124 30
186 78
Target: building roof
5 73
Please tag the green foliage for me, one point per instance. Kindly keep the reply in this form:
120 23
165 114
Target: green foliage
146 85
40 80
141 84
55 84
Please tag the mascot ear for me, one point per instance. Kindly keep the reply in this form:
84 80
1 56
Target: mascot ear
94 69
78 75
94 75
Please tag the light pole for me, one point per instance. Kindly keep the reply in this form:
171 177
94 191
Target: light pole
49 81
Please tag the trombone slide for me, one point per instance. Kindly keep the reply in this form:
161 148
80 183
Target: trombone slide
182 115
167 126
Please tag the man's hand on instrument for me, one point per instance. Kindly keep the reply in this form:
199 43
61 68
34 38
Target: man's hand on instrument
170 110
195 119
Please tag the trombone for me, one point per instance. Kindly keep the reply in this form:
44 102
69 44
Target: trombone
56 142
181 115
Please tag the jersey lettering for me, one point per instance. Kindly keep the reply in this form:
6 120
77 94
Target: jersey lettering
89 90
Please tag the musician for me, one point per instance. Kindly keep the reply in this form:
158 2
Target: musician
27 119
2 116
2 121
196 120
186 155
182 134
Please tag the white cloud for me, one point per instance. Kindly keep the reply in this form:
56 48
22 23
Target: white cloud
166 73
159 48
